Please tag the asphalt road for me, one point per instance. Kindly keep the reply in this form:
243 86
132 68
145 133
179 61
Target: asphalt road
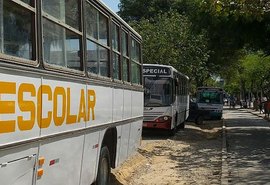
248 148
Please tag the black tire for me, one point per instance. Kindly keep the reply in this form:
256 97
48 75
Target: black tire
199 120
182 125
104 167
173 131
219 117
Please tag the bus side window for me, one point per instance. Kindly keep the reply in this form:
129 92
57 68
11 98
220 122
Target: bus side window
97 41
61 46
16 30
125 56
135 62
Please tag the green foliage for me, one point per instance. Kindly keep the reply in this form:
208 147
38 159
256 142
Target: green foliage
252 74
257 72
168 39
205 38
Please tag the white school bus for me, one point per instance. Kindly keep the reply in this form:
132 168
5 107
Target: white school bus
71 95
166 98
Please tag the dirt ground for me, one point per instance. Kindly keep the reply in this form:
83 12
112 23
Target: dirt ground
192 156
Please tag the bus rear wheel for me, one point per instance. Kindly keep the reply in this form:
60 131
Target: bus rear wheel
104 167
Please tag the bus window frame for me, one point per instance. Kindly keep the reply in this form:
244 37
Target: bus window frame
18 60
132 36
96 41
127 56
116 52
53 67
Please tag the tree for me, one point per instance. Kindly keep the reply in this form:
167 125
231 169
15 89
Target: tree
168 39
226 27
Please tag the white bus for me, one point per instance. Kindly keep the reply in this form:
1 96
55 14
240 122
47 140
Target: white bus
210 100
71 94
166 97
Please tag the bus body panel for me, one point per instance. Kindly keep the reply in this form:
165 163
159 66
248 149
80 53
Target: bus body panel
134 139
22 170
64 106
127 104
118 98
124 143
90 158
63 157
137 104
215 110
18 120
18 161
103 105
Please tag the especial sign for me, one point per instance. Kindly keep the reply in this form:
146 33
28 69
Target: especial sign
157 70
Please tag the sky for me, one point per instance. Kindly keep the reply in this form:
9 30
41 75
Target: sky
112 4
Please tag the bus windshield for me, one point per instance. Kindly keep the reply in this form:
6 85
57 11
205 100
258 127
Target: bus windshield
157 91
210 97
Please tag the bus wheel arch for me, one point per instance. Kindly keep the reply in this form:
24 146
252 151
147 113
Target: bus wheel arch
110 140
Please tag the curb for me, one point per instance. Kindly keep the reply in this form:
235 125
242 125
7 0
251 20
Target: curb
224 166
259 115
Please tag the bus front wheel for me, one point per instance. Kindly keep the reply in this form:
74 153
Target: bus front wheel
182 125
104 167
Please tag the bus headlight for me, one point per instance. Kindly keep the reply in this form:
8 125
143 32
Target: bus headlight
163 119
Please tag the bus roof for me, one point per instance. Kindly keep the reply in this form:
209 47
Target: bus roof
118 18
167 66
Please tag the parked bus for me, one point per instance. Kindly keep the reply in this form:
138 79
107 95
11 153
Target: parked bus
71 94
210 100
166 97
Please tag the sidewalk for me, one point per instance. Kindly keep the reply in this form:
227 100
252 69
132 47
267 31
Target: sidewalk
250 110
257 113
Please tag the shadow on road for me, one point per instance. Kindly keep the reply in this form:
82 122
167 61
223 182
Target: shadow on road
248 149
115 181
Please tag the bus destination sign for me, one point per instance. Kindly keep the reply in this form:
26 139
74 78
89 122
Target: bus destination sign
150 70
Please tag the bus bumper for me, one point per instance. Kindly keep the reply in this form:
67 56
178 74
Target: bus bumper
215 115
161 125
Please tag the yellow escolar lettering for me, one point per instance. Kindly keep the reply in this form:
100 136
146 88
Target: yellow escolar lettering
7 107
59 120
42 90
26 106
91 104
70 118
30 101
82 113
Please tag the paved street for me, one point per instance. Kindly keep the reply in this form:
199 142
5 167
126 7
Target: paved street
248 147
